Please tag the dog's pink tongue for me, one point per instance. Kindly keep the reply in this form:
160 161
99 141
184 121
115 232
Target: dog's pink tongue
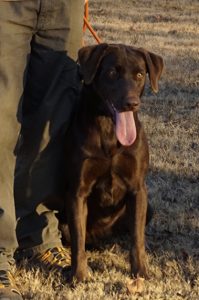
125 128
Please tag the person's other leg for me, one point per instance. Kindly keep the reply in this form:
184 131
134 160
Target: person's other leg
15 36
60 25
50 97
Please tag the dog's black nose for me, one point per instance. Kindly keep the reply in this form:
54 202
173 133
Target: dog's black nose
132 104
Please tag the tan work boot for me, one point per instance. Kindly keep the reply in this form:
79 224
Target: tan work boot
8 288
53 259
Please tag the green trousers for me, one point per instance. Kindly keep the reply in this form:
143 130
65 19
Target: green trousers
39 87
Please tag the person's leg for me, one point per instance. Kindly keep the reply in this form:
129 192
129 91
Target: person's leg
50 96
60 25
15 37
38 161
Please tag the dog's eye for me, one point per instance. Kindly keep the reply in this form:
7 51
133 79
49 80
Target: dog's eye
139 75
112 74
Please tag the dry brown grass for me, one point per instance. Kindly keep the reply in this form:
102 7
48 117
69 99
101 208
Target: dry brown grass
171 29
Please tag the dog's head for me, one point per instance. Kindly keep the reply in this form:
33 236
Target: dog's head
118 75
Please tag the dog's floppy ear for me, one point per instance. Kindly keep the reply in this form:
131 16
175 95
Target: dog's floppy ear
155 66
89 58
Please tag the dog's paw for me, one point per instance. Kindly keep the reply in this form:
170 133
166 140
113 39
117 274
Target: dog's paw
140 271
81 275
138 261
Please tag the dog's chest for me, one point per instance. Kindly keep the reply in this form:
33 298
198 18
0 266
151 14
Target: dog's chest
108 190
106 165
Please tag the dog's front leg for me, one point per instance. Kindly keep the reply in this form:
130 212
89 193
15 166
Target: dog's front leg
77 218
137 210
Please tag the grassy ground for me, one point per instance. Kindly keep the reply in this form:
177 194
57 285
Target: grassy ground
170 29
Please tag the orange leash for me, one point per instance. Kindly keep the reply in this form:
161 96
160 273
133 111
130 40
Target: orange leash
88 25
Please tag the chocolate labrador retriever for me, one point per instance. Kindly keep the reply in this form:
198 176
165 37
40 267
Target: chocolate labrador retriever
107 151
